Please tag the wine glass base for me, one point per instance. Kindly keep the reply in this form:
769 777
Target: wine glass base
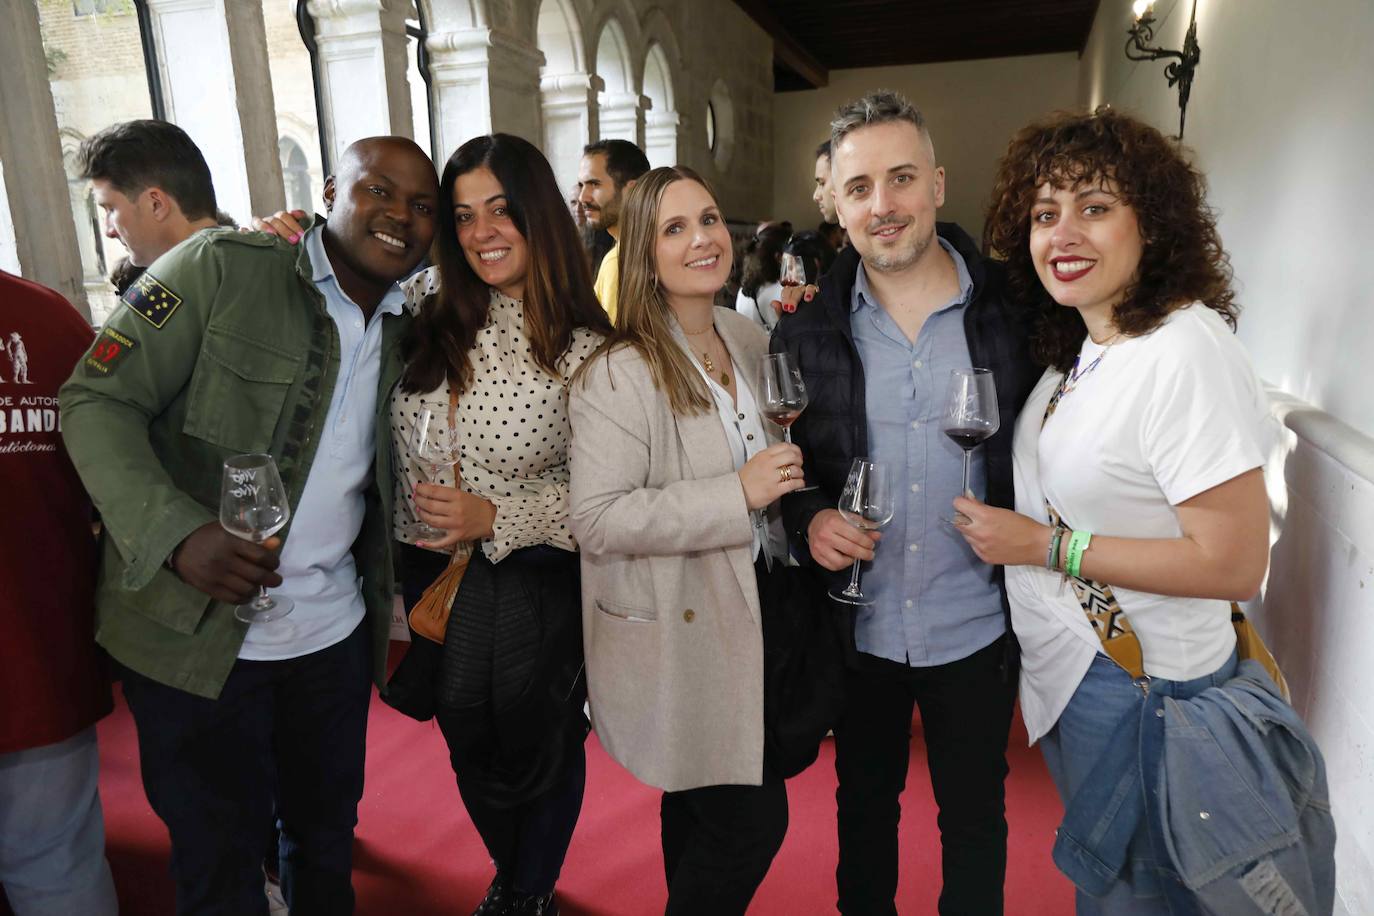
857 598
426 533
259 611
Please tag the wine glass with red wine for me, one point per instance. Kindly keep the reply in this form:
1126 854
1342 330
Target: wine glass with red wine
782 393
970 416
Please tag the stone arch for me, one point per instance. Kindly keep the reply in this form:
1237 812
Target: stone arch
567 92
621 107
451 15
661 122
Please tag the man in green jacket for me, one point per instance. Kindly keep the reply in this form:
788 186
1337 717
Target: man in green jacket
241 343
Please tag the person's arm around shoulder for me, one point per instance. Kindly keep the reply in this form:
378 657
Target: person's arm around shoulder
139 363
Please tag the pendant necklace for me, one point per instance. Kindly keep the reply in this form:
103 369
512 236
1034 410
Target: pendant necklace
706 360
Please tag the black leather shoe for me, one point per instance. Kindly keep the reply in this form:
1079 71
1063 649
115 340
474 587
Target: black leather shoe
499 898
524 905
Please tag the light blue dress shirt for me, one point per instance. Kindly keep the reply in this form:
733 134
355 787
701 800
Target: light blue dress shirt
936 601
317 568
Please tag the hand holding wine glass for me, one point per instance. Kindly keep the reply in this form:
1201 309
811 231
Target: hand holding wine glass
970 416
782 393
868 504
434 446
254 506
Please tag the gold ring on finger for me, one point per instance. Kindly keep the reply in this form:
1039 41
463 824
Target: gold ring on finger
785 473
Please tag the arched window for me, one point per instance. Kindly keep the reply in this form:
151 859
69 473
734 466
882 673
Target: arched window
661 121
295 173
565 90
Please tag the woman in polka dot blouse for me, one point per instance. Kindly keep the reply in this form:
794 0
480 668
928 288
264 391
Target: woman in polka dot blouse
501 323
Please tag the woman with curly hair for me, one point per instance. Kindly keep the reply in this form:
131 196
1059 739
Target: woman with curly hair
1138 457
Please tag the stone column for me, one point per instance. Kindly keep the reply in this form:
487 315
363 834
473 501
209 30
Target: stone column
212 55
40 233
622 116
568 102
661 132
484 81
362 65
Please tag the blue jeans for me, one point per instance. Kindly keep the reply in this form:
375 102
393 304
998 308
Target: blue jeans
1072 750
52 832
291 731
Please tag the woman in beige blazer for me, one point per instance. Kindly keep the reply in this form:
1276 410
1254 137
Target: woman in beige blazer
671 464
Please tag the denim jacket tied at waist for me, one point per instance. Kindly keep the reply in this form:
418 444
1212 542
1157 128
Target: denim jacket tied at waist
1233 789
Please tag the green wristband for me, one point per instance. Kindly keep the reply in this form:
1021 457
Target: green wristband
1078 543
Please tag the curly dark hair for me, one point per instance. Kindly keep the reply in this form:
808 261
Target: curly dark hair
1182 261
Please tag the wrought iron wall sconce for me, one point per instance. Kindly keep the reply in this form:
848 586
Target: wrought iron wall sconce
1180 71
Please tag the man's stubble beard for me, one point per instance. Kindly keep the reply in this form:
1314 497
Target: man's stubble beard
899 261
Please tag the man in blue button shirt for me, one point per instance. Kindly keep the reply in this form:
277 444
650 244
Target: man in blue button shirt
909 301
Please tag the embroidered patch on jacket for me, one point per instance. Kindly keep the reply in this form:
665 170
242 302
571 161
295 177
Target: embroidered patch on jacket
150 299
110 349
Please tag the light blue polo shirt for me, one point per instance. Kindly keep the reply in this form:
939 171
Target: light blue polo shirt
317 569
936 601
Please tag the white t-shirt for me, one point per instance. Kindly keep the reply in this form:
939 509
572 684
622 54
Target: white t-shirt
1161 419
760 307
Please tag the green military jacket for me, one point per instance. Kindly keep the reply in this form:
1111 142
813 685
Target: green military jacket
223 347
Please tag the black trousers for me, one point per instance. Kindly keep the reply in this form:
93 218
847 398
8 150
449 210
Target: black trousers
528 841
718 842
966 709
291 731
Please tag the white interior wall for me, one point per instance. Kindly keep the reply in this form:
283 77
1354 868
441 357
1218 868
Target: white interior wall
1280 120
971 107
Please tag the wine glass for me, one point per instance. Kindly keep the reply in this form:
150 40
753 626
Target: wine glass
782 393
253 506
792 273
867 503
970 417
434 446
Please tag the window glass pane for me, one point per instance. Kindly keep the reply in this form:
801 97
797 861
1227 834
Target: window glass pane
95 66
293 94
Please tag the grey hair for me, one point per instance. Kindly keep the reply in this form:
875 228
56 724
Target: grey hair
881 107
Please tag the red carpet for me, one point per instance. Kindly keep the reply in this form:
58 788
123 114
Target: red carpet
418 855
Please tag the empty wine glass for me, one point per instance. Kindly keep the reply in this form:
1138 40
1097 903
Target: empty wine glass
434 446
782 393
970 417
253 506
867 503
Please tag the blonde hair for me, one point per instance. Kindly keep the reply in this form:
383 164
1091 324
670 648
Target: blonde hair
644 320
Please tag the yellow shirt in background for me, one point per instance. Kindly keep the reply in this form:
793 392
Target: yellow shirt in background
608 281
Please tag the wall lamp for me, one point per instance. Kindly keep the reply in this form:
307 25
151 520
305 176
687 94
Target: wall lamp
1180 71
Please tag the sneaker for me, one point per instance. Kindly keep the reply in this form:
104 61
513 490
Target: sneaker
498 899
525 905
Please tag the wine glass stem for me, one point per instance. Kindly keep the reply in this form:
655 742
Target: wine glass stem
853 580
787 434
965 491
262 602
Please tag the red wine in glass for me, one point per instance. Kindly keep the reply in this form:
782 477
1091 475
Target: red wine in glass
968 437
970 416
783 417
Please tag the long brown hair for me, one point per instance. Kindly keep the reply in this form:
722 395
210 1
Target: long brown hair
558 285
1182 261
644 320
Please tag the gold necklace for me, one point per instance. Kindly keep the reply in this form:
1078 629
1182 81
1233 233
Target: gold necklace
706 360
711 368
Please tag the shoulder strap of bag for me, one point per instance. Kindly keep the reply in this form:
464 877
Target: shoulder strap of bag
1097 599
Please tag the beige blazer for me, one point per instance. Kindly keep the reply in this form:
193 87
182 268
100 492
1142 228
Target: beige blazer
670 605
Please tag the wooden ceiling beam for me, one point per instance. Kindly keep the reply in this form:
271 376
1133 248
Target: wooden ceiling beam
786 50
